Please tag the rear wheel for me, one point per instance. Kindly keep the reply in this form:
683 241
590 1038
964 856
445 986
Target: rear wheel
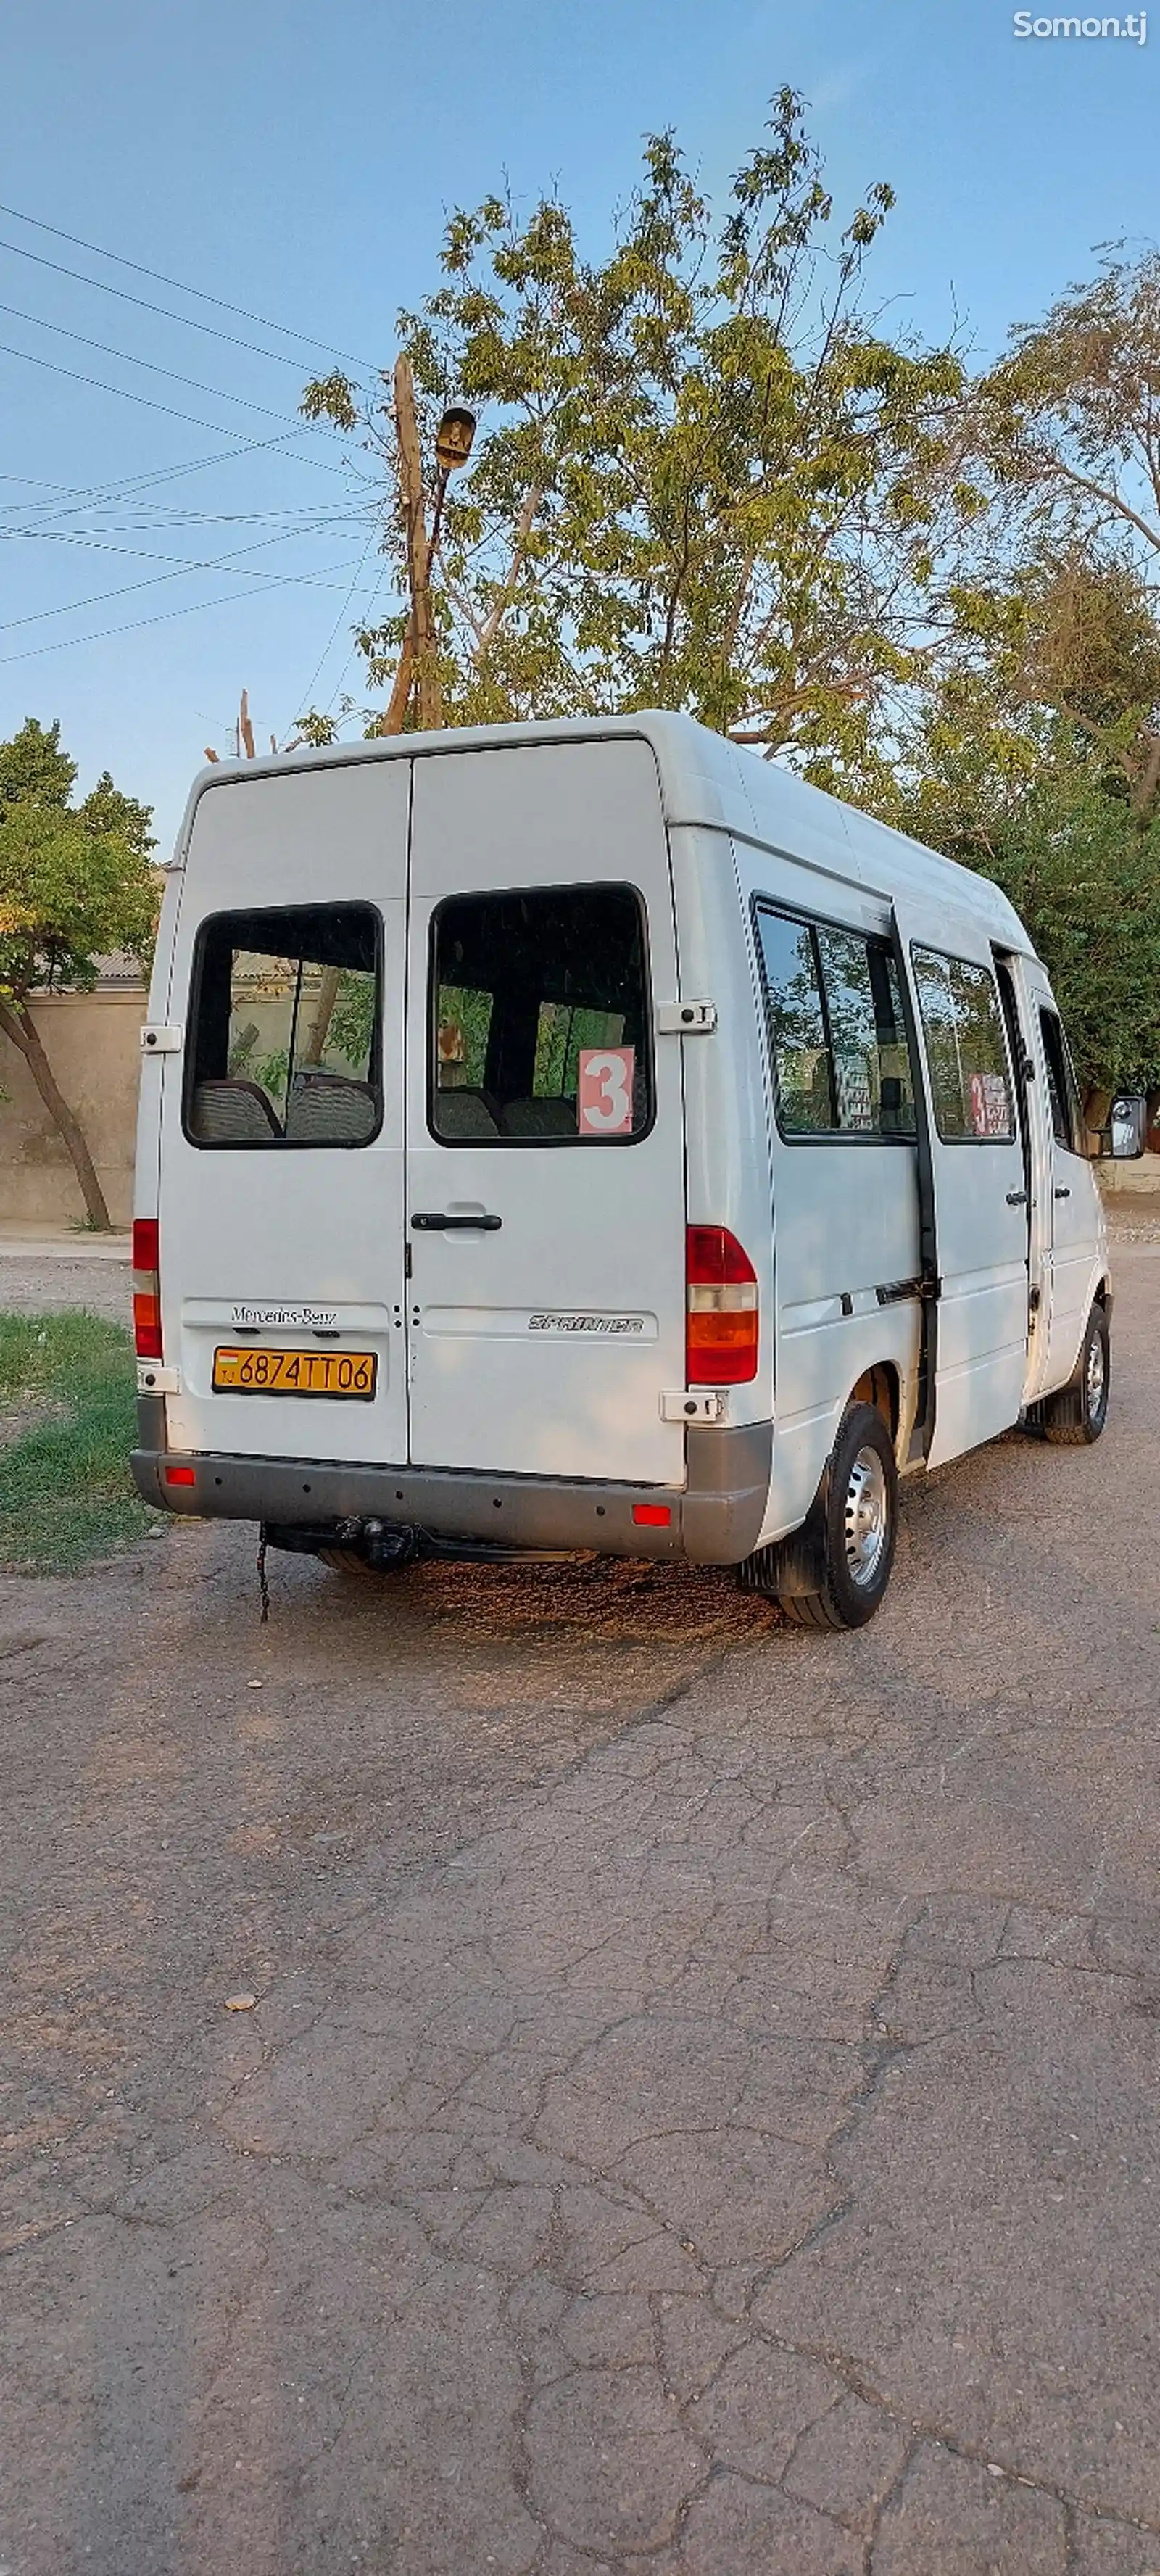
834 1572
346 1560
1077 1413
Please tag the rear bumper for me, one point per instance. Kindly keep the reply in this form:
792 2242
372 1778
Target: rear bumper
714 1520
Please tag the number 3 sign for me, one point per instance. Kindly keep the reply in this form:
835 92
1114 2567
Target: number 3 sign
604 1091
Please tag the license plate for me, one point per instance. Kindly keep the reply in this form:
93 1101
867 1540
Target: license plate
253 1370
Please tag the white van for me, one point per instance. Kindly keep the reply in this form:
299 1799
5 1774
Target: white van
587 1136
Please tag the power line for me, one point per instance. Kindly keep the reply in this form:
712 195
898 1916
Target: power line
170 410
309 691
97 494
146 305
180 563
79 495
35 482
158 520
368 613
139 269
231 599
127 358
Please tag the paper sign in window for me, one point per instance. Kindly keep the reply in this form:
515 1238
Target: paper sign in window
604 1090
990 1108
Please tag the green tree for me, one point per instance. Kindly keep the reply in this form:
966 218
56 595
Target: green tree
75 884
33 768
1029 756
1066 432
1085 875
703 479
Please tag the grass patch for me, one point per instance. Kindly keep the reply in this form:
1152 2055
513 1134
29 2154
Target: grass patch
66 1494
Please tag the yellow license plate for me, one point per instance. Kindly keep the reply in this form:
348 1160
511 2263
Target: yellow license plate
251 1370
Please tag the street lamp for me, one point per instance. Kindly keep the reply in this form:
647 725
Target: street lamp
453 440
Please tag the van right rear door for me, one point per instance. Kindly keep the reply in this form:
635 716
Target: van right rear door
545 1133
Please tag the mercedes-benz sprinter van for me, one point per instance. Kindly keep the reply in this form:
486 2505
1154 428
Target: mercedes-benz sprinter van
588 1136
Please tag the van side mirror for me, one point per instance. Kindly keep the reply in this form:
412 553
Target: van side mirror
1124 1138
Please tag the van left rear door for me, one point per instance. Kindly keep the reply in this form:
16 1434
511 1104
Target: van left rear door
281 1198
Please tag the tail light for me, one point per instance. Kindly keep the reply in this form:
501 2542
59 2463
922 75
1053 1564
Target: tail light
147 1288
722 1321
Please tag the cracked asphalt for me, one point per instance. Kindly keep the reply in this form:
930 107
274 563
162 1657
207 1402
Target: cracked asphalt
699 2113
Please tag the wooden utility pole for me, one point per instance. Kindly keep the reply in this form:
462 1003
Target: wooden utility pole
245 734
423 655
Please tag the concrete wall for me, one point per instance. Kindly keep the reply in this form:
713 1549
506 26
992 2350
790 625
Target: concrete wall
1132 1180
93 1044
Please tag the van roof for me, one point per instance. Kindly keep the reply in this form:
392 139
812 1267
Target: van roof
705 780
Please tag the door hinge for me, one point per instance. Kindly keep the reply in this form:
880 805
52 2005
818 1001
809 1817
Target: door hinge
156 1040
686 1019
683 1404
153 1379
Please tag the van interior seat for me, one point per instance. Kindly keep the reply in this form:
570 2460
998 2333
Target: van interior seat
540 1118
463 1115
228 1111
329 1108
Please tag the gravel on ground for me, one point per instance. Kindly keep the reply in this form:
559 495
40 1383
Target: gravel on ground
697 2111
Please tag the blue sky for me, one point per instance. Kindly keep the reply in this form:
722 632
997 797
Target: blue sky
298 162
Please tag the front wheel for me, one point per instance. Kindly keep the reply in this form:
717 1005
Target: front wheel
1076 1414
834 1572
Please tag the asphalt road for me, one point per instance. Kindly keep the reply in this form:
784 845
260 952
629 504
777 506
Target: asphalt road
699 2113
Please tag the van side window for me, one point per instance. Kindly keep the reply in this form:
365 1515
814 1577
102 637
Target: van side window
837 1030
540 1019
1062 1095
285 1042
966 1050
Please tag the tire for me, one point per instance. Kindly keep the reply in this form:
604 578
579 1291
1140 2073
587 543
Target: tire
838 1566
1076 1415
346 1560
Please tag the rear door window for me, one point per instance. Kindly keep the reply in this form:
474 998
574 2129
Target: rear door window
966 1050
541 1019
285 1047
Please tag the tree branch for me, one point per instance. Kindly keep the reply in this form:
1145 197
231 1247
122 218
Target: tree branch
531 502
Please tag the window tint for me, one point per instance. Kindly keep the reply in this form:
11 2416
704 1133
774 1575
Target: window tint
1062 1096
837 1031
797 1028
285 1042
965 1049
541 1018
867 1035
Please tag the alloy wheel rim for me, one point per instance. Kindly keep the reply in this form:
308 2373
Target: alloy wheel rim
1096 1376
867 1517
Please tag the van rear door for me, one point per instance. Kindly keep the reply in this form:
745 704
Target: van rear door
979 1189
546 1197
281 1190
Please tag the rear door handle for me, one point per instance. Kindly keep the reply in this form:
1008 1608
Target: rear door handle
438 1223
1016 1198
1063 1194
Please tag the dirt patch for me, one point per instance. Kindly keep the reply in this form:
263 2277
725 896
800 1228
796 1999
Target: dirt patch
15 1420
1138 1229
